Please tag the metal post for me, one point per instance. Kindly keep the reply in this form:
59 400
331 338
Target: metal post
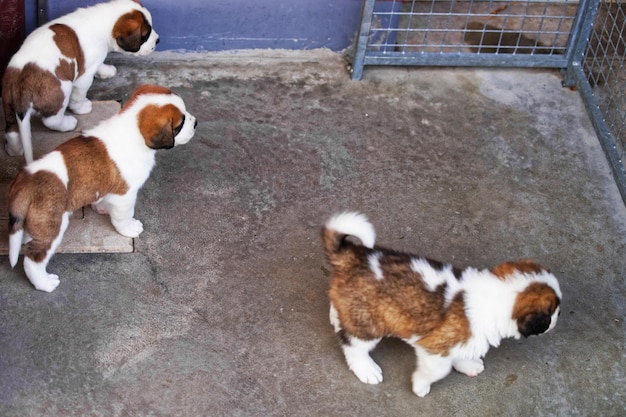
364 31
579 38
42 12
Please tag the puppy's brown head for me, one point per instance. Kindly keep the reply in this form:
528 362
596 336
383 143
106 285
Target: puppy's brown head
133 31
161 117
160 124
536 309
537 306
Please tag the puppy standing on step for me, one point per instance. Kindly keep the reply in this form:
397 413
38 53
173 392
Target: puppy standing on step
105 166
57 62
451 317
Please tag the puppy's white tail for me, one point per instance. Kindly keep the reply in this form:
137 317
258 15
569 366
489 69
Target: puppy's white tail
347 224
15 244
25 133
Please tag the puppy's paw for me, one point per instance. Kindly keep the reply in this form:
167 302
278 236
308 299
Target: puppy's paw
13 147
99 208
131 228
106 71
13 150
82 107
63 124
68 123
366 370
469 367
47 283
421 388
420 384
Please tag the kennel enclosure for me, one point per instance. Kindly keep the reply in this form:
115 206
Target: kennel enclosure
584 39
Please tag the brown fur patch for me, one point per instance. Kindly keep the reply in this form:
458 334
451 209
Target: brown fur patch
9 80
537 297
130 29
31 84
66 70
342 255
158 123
69 45
399 305
91 172
455 329
39 200
525 266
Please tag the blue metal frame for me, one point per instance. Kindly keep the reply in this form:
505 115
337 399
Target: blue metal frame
364 57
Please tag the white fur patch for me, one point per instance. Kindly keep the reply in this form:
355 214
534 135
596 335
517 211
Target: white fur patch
549 279
374 262
554 318
188 130
334 318
431 277
52 162
353 224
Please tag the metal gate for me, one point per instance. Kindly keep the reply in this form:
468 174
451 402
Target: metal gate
585 39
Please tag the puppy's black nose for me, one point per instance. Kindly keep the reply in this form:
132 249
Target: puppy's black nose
195 124
158 40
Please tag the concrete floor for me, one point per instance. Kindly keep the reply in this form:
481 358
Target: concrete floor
221 310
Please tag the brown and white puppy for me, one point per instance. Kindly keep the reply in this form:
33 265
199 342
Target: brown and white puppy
105 166
57 62
451 317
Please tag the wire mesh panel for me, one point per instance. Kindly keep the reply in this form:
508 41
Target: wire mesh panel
465 32
482 27
604 66
600 77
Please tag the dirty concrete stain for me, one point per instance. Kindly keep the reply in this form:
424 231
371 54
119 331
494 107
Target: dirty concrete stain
510 380
335 159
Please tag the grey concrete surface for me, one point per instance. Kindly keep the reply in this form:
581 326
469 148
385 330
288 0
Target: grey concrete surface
222 311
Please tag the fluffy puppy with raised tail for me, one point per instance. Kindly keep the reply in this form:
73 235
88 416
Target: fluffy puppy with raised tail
56 65
105 167
449 316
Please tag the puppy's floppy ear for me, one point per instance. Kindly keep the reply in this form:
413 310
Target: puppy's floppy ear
157 125
533 323
130 31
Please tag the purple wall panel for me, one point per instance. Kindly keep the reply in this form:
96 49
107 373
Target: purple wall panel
216 25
